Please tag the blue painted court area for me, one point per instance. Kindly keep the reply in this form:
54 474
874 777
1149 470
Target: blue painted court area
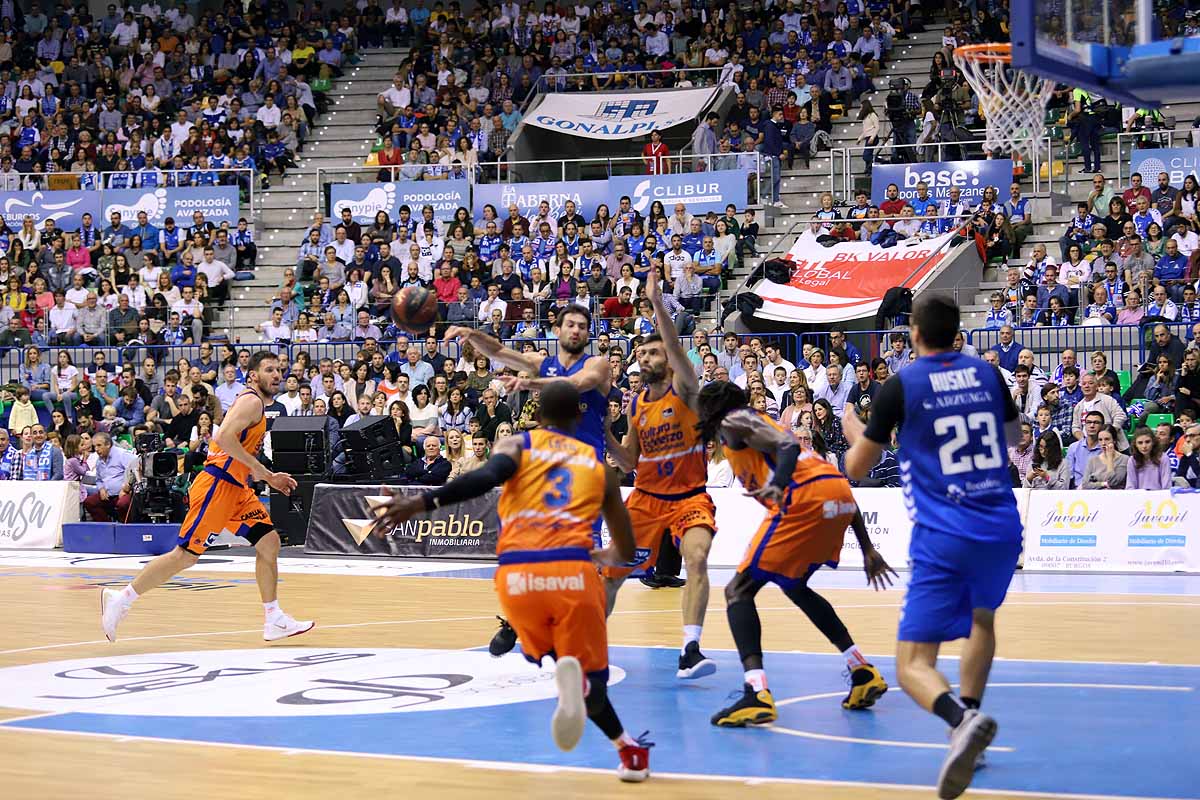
1077 728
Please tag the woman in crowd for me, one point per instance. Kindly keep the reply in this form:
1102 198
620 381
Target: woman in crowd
423 415
1049 469
1149 467
1108 468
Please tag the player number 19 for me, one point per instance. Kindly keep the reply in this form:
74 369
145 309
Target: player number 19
956 462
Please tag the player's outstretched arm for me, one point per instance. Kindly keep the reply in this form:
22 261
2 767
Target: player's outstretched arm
879 574
244 412
620 528
595 374
624 453
684 379
494 349
747 428
506 456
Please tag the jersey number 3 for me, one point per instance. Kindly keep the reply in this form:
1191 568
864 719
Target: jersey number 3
560 488
953 460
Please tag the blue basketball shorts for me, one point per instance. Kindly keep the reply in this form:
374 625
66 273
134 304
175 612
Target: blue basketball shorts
952 576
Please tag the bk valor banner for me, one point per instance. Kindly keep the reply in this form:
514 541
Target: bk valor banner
341 519
1117 531
847 280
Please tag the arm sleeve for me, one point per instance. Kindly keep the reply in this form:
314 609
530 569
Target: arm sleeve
498 469
786 453
887 412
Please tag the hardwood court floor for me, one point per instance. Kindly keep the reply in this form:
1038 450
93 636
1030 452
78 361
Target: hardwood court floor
53 617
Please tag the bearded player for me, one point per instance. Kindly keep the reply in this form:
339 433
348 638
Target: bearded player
809 506
667 451
590 375
555 485
222 498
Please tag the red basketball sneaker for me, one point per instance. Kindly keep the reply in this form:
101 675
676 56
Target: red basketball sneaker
635 760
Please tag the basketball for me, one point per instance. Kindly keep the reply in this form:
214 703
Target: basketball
415 308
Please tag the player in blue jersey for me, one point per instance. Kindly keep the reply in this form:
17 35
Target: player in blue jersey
954 416
590 375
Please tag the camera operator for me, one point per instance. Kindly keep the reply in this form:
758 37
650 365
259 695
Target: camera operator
151 481
902 108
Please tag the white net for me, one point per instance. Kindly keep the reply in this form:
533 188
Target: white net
1012 102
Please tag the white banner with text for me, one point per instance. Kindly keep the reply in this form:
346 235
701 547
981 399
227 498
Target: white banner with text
32 513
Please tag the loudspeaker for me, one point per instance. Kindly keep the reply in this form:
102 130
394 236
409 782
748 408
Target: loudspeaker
290 512
369 433
298 435
378 464
300 463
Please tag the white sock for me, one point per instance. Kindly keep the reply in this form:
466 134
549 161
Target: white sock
691 633
272 610
623 740
854 659
757 679
128 595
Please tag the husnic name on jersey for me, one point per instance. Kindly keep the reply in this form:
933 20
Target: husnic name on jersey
956 387
955 379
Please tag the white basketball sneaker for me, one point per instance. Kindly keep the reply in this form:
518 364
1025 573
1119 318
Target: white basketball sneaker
967 743
283 626
112 610
571 714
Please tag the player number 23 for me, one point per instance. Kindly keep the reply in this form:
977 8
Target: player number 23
953 460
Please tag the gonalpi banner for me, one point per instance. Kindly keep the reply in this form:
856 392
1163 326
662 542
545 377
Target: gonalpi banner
619 115
365 200
847 280
342 517
970 177
1177 162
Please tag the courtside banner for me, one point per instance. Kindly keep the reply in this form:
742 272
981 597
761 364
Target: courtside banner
65 207
32 513
342 514
586 195
619 115
970 177
701 192
365 200
847 280
1177 162
1120 531
217 203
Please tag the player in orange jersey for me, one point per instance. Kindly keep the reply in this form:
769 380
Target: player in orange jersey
809 505
667 451
222 498
555 486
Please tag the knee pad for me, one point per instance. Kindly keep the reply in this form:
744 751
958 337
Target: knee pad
597 696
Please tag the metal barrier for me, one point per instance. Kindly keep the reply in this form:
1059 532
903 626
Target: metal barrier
841 161
1127 143
1121 344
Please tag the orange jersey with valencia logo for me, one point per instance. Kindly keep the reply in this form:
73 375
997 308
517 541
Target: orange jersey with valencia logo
251 439
754 468
555 496
672 459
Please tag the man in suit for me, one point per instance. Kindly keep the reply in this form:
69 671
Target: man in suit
431 470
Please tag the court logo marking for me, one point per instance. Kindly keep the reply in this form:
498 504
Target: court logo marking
299 682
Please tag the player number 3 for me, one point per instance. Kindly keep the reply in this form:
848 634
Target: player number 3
560 488
953 460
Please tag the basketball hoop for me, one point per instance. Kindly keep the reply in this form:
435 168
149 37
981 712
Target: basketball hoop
1013 102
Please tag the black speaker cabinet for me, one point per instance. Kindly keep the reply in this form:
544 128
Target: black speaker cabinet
300 463
378 464
298 435
369 433
290 512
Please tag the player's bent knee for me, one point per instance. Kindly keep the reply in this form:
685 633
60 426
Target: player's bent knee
268 545
983 618
184 557
597 694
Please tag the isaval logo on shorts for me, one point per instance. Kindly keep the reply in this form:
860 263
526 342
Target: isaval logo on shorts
517 583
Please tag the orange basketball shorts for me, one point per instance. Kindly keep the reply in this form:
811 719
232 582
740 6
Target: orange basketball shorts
217 502
556 607
803 533
651 515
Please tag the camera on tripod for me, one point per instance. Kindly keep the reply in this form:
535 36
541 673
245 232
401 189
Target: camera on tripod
156 496
894 107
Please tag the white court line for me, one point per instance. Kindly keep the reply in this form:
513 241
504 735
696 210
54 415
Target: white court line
881 742
506 766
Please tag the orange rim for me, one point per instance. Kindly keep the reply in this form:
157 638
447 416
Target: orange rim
985 53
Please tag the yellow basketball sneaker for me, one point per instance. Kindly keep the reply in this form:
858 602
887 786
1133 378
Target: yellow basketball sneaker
866 686
752 708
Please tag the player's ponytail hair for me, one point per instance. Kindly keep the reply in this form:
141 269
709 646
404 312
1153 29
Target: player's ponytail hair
715 401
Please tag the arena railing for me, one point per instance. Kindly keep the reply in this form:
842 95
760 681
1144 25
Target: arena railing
243 177
842 160
1127 143
1121 344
